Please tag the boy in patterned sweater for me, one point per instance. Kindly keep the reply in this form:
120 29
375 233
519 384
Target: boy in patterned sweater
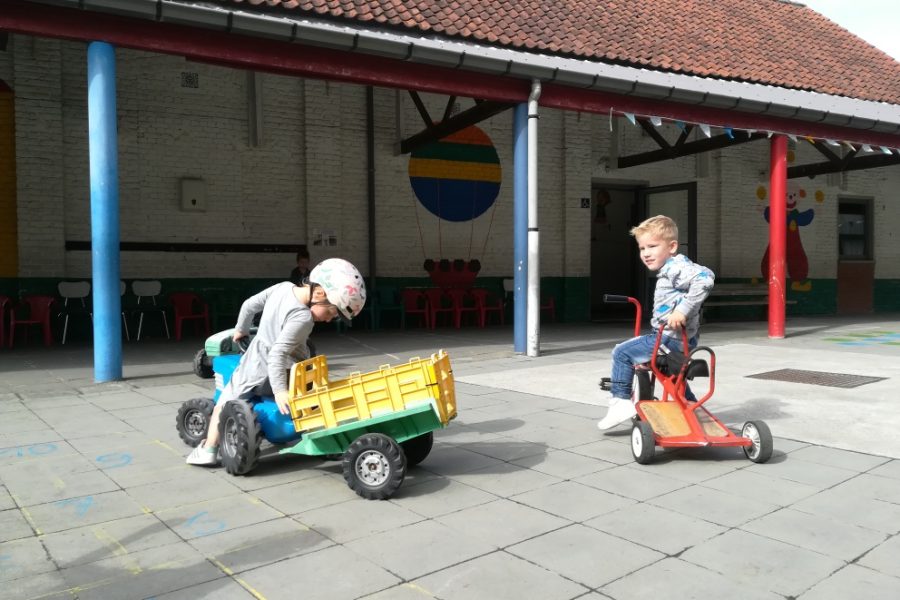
681 288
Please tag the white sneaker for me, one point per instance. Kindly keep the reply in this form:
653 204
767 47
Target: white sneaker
201 456
619 411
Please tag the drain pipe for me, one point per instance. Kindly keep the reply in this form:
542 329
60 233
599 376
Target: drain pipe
370 188
533 318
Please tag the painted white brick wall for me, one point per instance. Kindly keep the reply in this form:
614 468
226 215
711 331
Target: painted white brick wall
308 176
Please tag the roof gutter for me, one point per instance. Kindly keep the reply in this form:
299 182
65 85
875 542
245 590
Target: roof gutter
616 83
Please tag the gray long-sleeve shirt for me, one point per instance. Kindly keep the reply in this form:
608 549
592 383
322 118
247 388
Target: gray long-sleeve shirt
683 285
280 339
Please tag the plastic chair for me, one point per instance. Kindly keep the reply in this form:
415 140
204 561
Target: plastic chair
386 300
189 306
147 292
4 302
415 303
74 295
38 309
438 303
462 302
122 289
488 302
548 305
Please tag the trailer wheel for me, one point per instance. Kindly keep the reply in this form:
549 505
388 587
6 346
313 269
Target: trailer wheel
202 367
761 446
643 444
416 449
374 466
192 421
240 437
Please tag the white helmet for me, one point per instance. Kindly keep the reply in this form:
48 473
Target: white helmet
343 285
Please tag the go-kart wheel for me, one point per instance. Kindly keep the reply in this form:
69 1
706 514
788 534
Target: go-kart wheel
374 466
643 444
761 446
641 387
202 367
240 437
192 421
417 448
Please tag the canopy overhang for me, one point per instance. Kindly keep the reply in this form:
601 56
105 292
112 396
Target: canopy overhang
279 43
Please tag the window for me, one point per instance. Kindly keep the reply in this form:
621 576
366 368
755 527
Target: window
855 229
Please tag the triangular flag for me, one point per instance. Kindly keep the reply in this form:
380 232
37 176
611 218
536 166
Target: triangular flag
705 129
810 139
866 148
886 150
750 132
793 137
832 143
656 121
848 144
768 134
729 133
680 125
630 117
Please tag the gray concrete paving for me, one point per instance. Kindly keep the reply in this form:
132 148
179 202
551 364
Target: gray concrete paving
522 497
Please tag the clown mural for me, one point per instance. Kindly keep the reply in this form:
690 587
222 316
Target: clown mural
797 263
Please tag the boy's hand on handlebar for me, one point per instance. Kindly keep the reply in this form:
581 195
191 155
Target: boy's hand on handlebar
676 320
238 335
281 399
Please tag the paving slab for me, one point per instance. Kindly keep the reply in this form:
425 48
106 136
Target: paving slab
521 496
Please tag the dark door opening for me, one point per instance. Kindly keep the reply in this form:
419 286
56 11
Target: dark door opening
615 265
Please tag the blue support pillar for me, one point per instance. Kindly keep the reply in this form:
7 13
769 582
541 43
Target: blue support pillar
520 225
103 149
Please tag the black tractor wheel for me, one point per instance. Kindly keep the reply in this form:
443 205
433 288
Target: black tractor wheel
240 437
417 448
192 421
203 365
374 466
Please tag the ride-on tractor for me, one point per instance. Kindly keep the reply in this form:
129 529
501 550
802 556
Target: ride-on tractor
380 422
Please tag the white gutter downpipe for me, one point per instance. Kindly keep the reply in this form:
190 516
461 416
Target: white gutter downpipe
533 317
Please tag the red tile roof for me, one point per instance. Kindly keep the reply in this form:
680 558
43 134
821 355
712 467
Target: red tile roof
773 42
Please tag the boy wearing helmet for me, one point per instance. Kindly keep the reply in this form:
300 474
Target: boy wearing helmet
335 290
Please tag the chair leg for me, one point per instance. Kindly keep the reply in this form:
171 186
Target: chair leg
141 326
166 325
65 329
125 327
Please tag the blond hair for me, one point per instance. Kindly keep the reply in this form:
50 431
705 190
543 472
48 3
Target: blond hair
659 226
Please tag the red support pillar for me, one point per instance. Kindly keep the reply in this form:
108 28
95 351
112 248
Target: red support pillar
777 234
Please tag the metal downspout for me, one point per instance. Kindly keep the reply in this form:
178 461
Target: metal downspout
370 190
534 238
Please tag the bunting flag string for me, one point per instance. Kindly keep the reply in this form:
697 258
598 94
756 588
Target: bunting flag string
706 128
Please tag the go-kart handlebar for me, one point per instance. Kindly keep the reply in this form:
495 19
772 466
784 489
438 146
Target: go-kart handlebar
617 299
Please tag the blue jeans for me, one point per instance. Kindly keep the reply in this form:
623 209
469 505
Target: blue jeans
637 351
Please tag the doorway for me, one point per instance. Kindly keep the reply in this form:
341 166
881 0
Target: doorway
615 265
856 267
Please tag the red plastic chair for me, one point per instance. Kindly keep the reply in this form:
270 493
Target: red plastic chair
416 303
4 302
38 313
188 306
488 303
438 303
548 305
462 303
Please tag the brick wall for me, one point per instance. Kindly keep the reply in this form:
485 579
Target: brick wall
307 178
